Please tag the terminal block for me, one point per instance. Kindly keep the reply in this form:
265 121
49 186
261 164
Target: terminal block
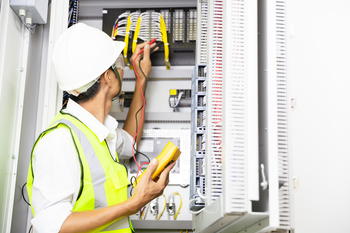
198 136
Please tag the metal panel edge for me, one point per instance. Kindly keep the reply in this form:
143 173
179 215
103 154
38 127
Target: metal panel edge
271 112
252 99
58 24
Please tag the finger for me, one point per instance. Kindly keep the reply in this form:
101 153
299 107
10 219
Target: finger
157 48
139 47
152 45
146 52
152 166
163 176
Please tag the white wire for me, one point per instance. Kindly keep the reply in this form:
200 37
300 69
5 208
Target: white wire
31 28
134 17
179 98
193 212
123 22
199 194
125 14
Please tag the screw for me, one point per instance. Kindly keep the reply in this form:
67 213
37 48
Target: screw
21 69
13 156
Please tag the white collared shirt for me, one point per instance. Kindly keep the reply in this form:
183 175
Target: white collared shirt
57 169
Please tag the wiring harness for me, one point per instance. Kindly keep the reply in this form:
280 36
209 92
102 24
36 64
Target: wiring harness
152 25
145 26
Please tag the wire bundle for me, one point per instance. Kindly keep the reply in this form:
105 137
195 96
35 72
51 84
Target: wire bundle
152 25
119 26
147 28
73 12
131 26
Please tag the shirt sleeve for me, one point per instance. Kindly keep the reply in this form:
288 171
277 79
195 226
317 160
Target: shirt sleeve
123 144
56 180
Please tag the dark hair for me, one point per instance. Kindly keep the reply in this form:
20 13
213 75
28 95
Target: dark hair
87 95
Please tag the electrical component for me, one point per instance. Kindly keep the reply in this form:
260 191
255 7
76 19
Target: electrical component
35 9
154 206
179 98
199 138
167 18
179 22
171 205
28 23
125 100
73 12
191 25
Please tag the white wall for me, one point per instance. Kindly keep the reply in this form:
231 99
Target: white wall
319 139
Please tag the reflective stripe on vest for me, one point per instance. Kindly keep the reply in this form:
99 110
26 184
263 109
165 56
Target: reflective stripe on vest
97 172
105 181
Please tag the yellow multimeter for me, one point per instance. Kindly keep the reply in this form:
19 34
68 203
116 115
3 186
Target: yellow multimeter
169 154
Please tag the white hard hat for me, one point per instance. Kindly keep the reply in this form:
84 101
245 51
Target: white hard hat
81 54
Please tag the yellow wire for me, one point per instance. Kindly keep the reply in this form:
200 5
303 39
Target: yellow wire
176 193
126 40
144 211
160 215
136 34
165 41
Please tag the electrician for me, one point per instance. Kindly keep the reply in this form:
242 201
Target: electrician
75 182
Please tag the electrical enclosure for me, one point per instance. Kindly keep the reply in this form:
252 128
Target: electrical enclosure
35 9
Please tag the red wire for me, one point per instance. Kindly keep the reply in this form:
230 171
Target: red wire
140 169
143 113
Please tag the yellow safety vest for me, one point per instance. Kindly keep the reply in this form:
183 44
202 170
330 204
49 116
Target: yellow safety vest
103 180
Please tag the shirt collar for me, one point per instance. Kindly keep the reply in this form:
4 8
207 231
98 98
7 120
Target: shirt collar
100 130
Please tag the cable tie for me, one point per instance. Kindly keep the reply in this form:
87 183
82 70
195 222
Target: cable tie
166 44
135 40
